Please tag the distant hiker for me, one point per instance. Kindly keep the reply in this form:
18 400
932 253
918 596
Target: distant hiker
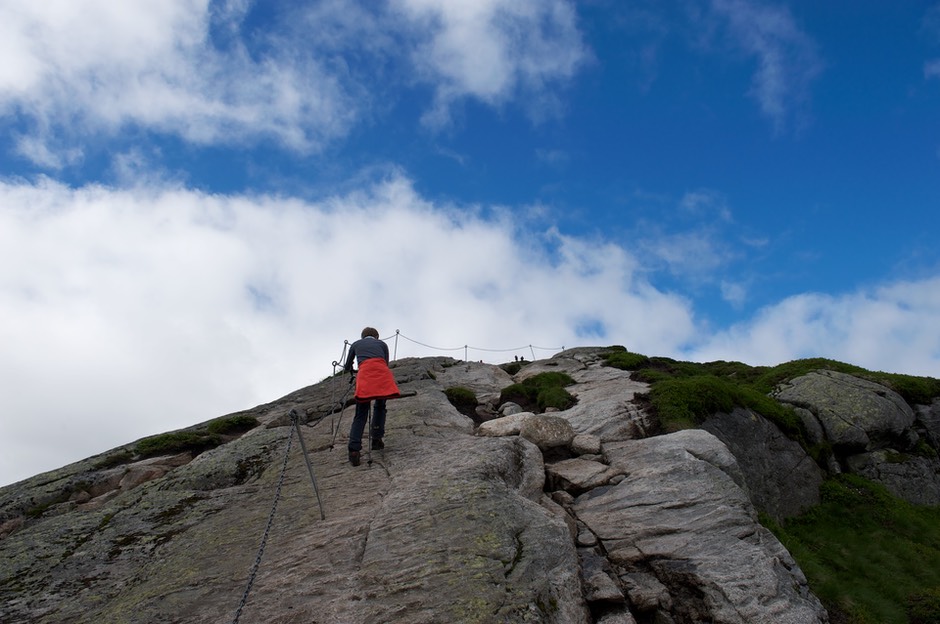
375 382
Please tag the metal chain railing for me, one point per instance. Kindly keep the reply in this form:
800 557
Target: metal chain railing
341 404
467 348
267 529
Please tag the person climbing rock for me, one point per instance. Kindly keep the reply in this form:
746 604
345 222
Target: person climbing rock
374 383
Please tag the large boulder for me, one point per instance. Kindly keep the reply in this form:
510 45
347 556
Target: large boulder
872 430
605 406
928 417
443 525
782 479
681 523
857 415
915 479
547 431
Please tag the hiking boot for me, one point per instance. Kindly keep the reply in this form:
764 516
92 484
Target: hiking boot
377 444
354 458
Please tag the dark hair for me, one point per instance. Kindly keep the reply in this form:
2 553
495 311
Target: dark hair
370 331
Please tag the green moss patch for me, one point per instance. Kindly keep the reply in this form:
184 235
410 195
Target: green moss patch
464 399
231 425
624 360
540 392
870 557
178 442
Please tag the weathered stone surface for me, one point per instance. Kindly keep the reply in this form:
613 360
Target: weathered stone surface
586 444
441 526
646 593
682 515
928 416
599 581
856 415
621 616
915 479
585 538
505 426
814 430
448 524
577 475
781 478
509 408
605 405
605 395
485 380
547 431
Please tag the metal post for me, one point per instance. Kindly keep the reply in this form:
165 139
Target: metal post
295 418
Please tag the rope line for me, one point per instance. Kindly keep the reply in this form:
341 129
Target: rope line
399 334
340 405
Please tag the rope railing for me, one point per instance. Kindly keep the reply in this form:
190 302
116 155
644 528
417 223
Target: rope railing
467 348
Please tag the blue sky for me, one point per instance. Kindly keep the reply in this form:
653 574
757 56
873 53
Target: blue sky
200 201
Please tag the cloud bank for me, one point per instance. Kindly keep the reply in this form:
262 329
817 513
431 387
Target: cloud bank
188 68
129 312
132 310
787 60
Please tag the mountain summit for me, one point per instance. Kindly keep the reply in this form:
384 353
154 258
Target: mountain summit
479 508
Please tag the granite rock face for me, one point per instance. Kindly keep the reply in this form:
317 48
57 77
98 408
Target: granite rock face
571 517
857 415
782 479
871 430
682 521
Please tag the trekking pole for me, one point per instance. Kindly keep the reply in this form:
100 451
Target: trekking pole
369 425
342 406
295 419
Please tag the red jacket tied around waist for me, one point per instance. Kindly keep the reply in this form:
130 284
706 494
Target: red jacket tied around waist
375 381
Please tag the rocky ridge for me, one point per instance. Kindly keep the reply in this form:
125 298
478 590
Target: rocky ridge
576 516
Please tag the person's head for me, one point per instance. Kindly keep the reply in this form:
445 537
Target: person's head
370 331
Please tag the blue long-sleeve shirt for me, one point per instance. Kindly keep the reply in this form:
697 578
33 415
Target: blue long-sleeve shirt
364 349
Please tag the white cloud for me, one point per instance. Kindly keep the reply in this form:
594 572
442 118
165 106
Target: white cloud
704 203
692 255
932 69
787 58
552 157
734 293
92 66
186 68
492 50
128 312
891 328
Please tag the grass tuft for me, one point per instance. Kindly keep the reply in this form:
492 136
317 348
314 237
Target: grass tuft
231 425
464 399
624 360
870 557
177 442
540 392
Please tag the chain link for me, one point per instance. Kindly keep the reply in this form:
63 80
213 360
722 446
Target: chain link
267 529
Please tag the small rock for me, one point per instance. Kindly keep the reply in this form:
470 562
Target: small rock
586 444
547 432
509 408
577 475
505 426
141 474
586 539
562 498
618 617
